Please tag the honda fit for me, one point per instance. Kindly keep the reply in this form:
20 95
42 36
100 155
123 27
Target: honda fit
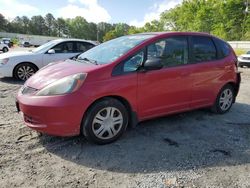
127 80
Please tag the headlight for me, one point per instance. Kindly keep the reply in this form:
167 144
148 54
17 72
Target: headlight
65 85
4 61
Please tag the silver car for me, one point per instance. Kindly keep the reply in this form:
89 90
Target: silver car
23 65
244 60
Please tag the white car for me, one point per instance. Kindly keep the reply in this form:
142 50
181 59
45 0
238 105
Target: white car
244 60
23 65
4 47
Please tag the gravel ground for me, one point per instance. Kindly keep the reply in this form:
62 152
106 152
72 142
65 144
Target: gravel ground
193 149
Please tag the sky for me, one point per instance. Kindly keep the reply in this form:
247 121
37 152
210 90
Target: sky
132 12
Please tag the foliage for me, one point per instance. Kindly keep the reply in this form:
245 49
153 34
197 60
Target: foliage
119 30
225 19
240 51
77 27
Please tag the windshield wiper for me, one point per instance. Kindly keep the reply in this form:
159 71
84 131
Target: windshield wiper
88 60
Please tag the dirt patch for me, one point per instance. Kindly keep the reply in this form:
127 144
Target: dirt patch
194 149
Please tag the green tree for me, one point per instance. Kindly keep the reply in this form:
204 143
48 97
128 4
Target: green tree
119 30
78 27
37 25
62 28
225 18
50 23
3 23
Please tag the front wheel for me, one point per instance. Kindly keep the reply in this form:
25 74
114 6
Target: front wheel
224 100
105 121
24 71
5 50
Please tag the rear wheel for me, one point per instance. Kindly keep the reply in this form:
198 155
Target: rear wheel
24 71
224 100
5 50
105 121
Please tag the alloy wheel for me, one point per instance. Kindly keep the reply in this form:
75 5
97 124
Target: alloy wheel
226 99
25 71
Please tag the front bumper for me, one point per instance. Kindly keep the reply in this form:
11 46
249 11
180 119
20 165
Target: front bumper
6 71
53 115
242 63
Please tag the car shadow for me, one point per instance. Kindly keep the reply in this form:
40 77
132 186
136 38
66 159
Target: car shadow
10 80
192 140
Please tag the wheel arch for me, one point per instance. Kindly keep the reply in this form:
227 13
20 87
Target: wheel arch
235 87
133 119
13 72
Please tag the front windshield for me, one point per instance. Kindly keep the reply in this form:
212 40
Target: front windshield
113 49
44 46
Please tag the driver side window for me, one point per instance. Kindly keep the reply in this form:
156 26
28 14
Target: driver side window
65 47
134 62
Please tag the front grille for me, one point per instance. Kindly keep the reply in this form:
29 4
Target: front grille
28 90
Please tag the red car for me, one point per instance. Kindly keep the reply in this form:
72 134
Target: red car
130 79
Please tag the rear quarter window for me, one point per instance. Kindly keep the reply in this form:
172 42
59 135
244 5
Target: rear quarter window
223 48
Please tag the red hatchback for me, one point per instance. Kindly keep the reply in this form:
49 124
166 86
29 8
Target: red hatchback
130 79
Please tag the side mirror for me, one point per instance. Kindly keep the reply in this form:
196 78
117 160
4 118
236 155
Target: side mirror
153 64
51 51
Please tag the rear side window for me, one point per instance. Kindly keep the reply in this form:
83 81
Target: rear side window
203 49
83 46
222 47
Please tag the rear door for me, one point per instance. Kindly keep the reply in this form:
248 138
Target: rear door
166 90
63 51
207 71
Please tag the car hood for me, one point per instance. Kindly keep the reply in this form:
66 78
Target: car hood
14 54
56 71
245 55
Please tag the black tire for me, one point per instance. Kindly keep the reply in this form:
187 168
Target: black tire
5 50
31 69
88 124
218 106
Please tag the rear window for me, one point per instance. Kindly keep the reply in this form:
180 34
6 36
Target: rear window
222 47
203 49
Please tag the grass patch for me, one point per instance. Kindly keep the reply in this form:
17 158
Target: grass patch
240 51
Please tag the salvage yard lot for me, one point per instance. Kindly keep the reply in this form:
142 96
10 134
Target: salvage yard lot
193 149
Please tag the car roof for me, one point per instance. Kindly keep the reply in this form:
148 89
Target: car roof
75 40
174 33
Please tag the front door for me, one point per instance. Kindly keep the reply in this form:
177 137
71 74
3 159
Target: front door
167 90
63 51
